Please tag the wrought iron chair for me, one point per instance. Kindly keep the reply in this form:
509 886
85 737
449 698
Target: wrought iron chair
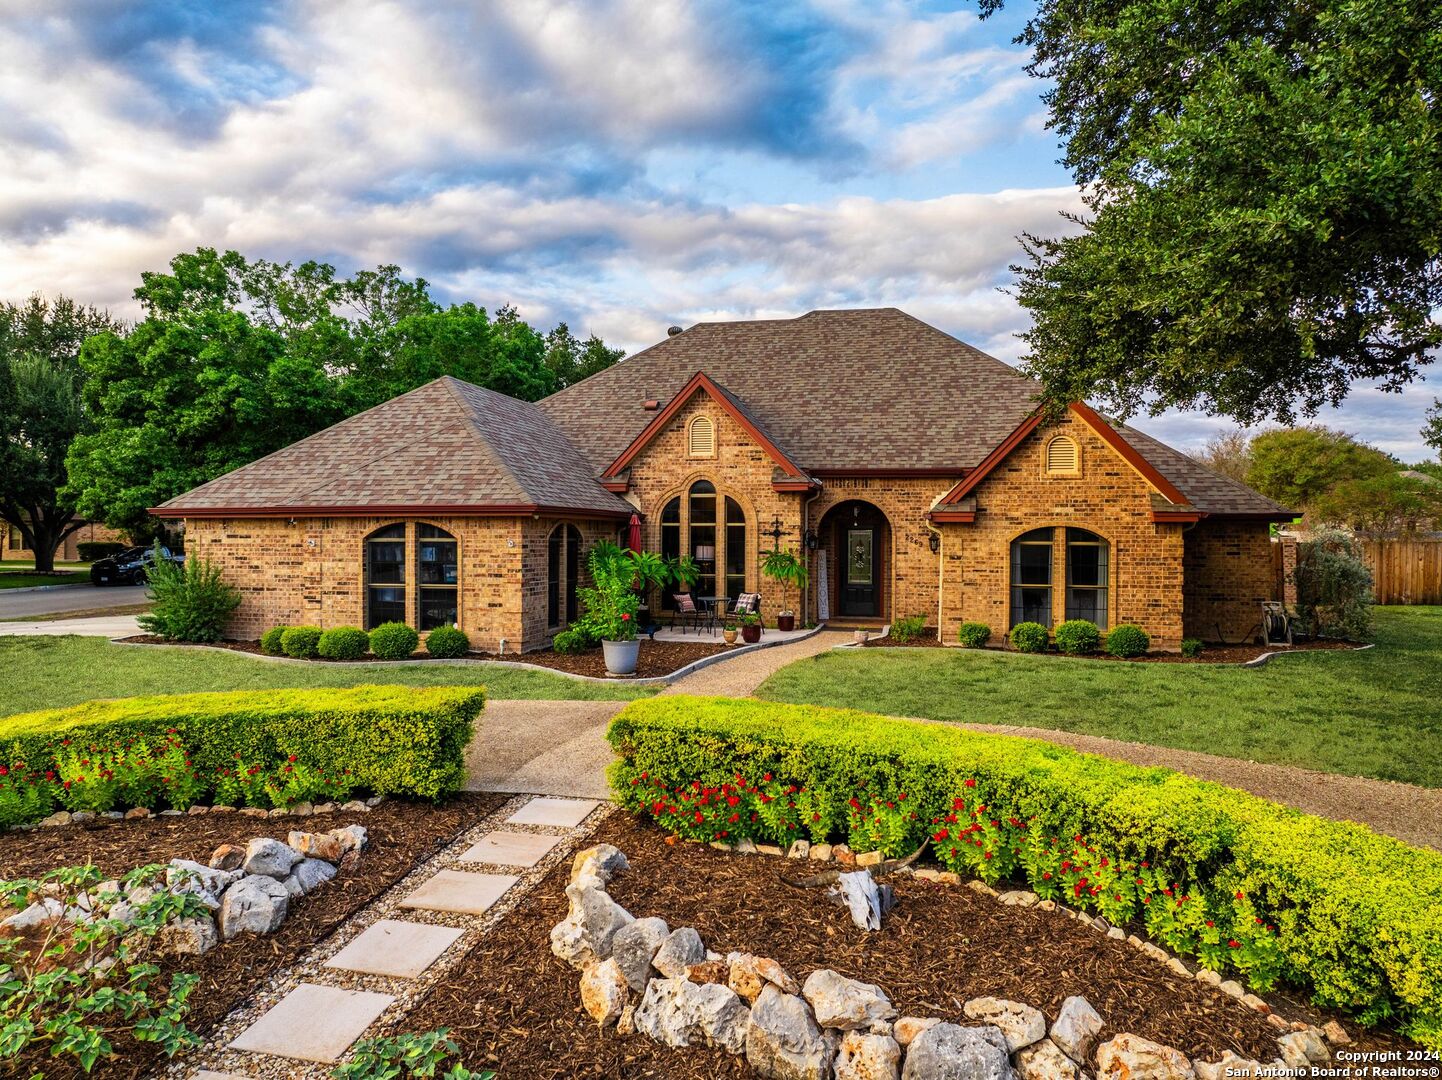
687 612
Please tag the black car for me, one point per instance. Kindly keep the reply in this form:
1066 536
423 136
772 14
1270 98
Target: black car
130 567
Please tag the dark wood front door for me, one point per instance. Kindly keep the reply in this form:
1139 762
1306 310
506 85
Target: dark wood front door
859 571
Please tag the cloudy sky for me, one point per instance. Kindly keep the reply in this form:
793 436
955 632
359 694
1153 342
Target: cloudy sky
620 164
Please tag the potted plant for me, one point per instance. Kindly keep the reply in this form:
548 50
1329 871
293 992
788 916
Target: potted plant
785 569
611 607
728 634
750 628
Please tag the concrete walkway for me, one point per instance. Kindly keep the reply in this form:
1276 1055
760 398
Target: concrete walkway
107 626
84 597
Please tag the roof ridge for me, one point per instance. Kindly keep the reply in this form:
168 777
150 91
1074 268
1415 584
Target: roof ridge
479 435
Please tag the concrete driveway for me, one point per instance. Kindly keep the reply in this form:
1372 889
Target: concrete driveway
72 598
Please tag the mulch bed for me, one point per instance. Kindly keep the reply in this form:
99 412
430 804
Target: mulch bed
400 834
515 1007
1211 654
657 658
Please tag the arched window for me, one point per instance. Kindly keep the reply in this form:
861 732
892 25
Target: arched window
712 529
736 553
563 575
385 567
1086 576
437 576
701 437
702 515
1031 577
573 571
670 544
1063 457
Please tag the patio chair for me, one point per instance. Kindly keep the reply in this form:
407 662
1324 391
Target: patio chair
686 611
747 603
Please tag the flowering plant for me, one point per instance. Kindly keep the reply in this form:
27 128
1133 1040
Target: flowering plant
280 784
101 778
609 602
736 809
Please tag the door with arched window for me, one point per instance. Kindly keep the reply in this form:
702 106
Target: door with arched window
711 528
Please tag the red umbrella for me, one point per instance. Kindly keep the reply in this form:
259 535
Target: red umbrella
633 534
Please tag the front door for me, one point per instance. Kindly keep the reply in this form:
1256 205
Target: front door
858 580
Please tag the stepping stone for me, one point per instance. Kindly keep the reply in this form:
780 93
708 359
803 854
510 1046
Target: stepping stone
562 813
511 848
313 1023
455 890
392 947
208 1074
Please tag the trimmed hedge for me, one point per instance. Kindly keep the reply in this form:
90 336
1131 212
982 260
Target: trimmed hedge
447 643
301 642
394 641
1358 915
1078 637
394 739
974 635
1127 641
343 643
270 641
1029 637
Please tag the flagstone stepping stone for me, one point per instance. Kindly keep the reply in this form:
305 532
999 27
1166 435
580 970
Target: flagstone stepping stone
313 1023
393 947
561 813
458 891
511 849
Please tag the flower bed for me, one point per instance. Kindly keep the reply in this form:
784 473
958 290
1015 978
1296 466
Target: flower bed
1244 884
1211 654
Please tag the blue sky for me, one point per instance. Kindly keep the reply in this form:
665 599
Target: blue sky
620 164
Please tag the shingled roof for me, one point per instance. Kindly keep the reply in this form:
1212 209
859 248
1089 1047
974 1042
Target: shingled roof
447 446
1207 491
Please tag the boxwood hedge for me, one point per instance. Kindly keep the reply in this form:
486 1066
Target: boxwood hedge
1358 915
394 739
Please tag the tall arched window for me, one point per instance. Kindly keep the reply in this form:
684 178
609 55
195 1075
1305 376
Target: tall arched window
736 553
385 556
702 515
1031 577
712 529
437 575
1086 576
563 575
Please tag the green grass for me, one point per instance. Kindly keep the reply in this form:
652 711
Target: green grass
51 672
18 579
1376 713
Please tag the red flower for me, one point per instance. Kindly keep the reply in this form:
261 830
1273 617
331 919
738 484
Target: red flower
971 783
1233 943
291 759
767 778
625 617
1210 923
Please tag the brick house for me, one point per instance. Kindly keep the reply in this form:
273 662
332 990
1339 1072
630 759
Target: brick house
911 471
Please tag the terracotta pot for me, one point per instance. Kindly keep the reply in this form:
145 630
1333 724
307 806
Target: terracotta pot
729 634
621 656
751 634
786 623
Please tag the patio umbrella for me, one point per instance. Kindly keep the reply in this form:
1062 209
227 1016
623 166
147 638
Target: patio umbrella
633 534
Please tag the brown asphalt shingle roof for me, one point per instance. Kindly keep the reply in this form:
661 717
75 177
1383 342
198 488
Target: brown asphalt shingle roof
1208 491
445 444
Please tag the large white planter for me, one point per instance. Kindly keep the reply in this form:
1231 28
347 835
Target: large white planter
621 656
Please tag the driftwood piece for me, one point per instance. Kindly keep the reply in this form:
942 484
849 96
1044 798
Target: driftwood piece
862 896
830 877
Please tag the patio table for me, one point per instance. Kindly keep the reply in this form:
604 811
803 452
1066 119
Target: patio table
710 603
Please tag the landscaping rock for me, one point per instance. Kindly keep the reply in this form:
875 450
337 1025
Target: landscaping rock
136 812
584 936
603 992
1208 976
1229 1068
749 975
677 1013
603 862
256 904
60 817
949 1052
352 838
680 950
1076 1027
1130 1057
1021 1024
709 971
846 1004
773 850
302 809
293 888
634 945
720 1016
253 811
355 806
843 854
227 857
870 858
311 874
221 808
868 1057
81 816
1232 988
908 1028
270 858
1336 1034
188 937
1017 898
783 1041
34 915
1303 1048
183 876
626 1025
1045 1061
981 887
316 845
799 849
820 852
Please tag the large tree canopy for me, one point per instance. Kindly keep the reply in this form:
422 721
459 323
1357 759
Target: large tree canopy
235 359
1264 184
40 413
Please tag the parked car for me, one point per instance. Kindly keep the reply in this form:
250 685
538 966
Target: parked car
130 567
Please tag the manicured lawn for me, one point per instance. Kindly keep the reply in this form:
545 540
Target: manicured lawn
19 579
49 672
1376 713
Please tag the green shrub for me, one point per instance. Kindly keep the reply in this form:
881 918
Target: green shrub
301 642
1029 637
1078 637
1192 647
447 643
394 641
1334 588
392 739
188 603
908 629
570 642
90 550
1358 916
343 643
974 635
270 641
1127 640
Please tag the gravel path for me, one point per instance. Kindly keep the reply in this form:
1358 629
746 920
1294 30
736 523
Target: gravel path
740 677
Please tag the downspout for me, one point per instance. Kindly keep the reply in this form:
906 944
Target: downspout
805 525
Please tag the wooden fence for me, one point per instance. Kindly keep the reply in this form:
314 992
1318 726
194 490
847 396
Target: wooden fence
1405 571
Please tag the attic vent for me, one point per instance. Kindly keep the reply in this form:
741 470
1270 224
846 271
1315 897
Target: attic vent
702 437
1062 457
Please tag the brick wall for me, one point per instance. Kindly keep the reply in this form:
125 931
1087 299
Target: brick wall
1229 574
1108 498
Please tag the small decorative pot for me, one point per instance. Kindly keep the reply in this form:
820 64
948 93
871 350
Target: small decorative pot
621 656
729 634
786 623
751 634
861 636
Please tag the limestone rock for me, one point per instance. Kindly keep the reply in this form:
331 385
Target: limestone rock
1208 976
845 1003
188 937
870 858
294 890
355 806
750 975
351 837
678 1013
868 1057
1045 1061
949 1052
981 887
1130 1057
1336 1034
256 904
136 812
603 992
1232 988
37 913
1021 1024
746 846
709 971
60 817
719 1015
634 945
1076 1027
316 845
584 936
799 849
626 1023
270 857
843 854
1017 898
227 857
680 950
311 874
183 876
908 1028
783 1041
603 861
820 852
1229 1068
1303 1048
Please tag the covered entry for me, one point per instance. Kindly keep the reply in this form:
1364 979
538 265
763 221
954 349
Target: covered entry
857 538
